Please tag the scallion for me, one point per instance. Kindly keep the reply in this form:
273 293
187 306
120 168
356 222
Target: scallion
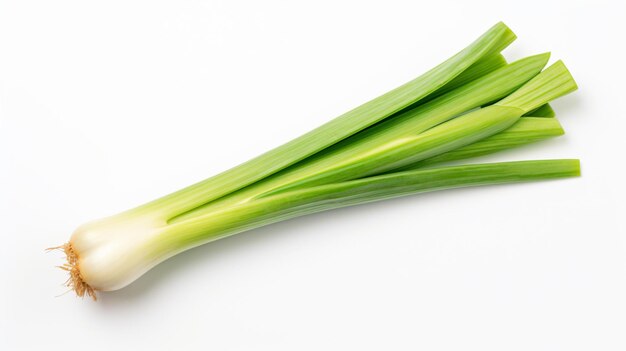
473 104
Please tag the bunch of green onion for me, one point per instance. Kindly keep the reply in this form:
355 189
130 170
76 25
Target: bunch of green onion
473 104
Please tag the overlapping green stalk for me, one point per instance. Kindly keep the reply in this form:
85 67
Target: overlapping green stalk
282 206
473 104
489 44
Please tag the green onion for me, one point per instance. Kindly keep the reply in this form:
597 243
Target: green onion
473 104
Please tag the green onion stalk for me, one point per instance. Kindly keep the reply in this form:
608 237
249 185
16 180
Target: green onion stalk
473 104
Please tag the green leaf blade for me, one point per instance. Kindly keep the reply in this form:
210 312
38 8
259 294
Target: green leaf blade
525 131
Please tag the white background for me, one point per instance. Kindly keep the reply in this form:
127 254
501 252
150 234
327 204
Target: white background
107 104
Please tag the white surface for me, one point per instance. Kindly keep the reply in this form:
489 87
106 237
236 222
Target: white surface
105 105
